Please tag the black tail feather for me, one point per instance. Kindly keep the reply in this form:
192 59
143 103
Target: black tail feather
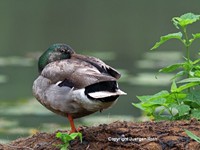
110 86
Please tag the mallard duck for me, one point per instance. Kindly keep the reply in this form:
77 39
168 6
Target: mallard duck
74 85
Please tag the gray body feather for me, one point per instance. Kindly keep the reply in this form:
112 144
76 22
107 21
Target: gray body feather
72 100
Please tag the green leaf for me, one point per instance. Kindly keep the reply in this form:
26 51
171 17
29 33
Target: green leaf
194 97
77 134
167 37
186 86
174 97
74 135
171 68
192 136
197 67
196 61
144 98
181 95
196 35
160 94
58 135
151 102
138 105
187 65
63 136
161 116
155 96
173 86
190 80
66 138
179 74
183 109
197 73
148 110
64 147
196 113
185 20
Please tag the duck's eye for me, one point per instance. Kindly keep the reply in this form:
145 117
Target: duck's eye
63 51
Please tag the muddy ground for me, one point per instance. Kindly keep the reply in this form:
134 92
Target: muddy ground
119 136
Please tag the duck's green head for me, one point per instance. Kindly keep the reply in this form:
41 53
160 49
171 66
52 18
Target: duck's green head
53 53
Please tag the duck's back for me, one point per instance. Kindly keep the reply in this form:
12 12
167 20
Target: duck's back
78 72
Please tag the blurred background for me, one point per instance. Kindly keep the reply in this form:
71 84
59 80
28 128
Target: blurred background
120 33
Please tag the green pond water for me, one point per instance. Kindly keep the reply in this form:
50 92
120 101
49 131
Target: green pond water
118 32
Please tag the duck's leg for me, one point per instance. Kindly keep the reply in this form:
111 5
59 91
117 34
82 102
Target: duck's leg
71 121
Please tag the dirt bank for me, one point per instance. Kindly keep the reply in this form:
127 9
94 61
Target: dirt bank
120 136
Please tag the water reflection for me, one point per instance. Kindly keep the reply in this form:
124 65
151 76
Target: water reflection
3 78
149 79
104 55
158 59
16 61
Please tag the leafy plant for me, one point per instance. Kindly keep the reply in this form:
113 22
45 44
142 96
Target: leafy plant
66 138
183 99
192 136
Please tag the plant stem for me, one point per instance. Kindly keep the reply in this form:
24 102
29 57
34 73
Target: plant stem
176 98
187 44
170 111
